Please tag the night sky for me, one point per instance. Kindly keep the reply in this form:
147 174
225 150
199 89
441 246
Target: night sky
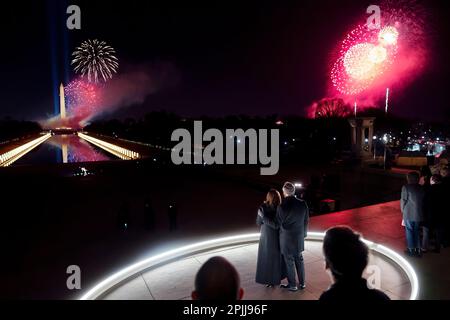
230 57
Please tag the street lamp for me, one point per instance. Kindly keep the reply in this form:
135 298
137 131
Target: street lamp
374 147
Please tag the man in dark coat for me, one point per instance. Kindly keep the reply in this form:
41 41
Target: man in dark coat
412 205
435 211
293 217
445 172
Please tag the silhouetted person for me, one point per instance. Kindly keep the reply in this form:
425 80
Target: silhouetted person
270 266
311 193
217 280
172 213
149 214
434 213
293 217
123 216
445 173
346 257
425 176
425 182
412 205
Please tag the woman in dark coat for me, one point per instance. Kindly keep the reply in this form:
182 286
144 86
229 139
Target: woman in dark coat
269 267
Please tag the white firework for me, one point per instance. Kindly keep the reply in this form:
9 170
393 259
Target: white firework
96 60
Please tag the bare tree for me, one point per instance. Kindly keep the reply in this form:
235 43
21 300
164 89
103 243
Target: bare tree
332 108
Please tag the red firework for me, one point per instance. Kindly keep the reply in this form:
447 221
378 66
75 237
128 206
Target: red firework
83 99
371 60
364 57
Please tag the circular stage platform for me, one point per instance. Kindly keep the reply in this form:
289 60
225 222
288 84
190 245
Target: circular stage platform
170 275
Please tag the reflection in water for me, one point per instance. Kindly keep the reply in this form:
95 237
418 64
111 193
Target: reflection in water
64 152
74 149
67 148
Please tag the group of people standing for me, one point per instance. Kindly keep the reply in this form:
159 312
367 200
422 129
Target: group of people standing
423 205
346 256
284 226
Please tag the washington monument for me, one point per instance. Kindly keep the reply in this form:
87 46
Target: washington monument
62 102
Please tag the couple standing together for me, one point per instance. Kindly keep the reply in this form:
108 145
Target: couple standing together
284 225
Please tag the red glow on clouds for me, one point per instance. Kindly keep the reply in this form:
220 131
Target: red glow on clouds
85 101
82 100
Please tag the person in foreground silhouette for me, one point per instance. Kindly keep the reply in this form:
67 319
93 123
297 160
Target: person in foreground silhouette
346 257
217 280
292 218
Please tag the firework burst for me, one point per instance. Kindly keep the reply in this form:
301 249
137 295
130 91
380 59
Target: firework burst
83 98
370 60
96 60
364 57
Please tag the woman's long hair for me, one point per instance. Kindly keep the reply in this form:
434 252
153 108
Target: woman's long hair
273 198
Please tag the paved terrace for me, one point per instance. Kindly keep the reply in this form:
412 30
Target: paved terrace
379 223
174 281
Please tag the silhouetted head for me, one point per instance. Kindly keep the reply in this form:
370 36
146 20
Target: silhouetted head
346 255
413 177
273 198
217 280
288 189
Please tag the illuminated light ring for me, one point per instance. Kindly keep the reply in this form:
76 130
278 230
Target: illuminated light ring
119 152
119 277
